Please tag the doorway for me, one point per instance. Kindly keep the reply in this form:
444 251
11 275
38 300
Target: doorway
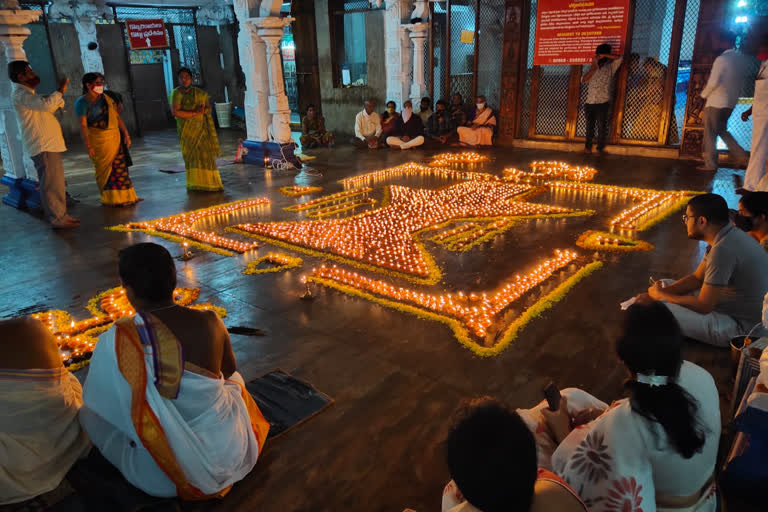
150 96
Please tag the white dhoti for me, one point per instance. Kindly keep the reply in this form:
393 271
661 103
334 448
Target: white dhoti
400 143
40 437
755 178
206 439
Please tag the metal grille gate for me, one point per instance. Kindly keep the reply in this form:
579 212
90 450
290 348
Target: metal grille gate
465 45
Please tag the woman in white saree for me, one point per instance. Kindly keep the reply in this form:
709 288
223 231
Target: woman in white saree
655 450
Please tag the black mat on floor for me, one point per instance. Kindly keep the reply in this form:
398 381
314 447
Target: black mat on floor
286 401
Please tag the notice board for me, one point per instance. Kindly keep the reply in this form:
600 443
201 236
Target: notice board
568 31
144 34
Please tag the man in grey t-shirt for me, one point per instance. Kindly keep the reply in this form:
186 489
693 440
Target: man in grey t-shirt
731 280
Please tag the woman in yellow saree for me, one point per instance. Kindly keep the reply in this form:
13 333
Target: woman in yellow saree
101 127
199 143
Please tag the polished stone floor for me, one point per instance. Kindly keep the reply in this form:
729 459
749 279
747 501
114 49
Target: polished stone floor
395 378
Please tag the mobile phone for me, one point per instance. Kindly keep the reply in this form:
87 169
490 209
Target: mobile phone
552 395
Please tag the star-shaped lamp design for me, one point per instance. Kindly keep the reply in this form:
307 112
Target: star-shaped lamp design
387 238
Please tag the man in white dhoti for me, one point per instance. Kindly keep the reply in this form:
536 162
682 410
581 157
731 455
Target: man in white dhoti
756 178
722 93
40 437
481 124
163 402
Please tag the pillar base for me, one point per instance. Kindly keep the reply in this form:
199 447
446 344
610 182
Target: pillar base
23 193
260 152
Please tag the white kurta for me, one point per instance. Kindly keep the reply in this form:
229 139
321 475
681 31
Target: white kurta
207 426
755 177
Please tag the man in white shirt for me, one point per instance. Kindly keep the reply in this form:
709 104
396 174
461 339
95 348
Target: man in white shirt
599 79
42 137
756 178
722 93
367 127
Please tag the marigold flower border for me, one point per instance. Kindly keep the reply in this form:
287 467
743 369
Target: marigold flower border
511 332
586 241
251 269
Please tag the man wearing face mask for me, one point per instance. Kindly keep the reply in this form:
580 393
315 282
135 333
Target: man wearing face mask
440 127
43 140
408 131
599 79
753 216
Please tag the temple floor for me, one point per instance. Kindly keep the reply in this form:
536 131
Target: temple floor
395 377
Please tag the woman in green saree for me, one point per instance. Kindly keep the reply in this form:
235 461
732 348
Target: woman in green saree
199 142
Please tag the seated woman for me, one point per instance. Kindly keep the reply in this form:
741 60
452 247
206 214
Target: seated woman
409 131
163 401
657 448
753 216
40 437
389 120
313 131
491 455
480 126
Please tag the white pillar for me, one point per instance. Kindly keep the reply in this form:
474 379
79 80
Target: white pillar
418 35
12 35
86 33
397 51
253 62
270 29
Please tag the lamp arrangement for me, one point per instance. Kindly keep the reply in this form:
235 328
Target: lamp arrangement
468 157
280 261
182 227
296 191
386 237
476 311
76 339
550 170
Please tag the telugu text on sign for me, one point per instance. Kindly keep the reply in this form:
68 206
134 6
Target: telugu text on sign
144 34
568 32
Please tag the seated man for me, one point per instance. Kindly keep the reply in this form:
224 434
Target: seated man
753 216
457 110
40 437
425 109
367 127
313 131
491 456
409 130
731 280
163 401
389 120
440 127
480 126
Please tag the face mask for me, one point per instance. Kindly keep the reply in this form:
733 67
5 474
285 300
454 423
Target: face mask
98 89
390 110
763 55
480 106
743 223
407 109
34 82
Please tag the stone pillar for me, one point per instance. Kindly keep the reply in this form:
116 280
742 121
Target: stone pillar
418 35
270 29
253 62
397 51
16 164
86 34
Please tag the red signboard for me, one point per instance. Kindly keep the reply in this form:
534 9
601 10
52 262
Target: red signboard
144 34
568 31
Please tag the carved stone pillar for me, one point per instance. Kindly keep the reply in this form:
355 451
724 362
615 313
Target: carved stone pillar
397 51
270 29
418 35
16 164
253 62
